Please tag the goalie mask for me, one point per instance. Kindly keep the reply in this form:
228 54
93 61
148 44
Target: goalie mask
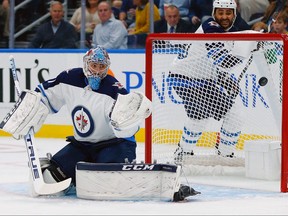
96 64
225 4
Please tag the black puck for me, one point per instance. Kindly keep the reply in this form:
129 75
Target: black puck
263 81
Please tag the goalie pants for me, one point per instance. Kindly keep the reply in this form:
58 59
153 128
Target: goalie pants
111 151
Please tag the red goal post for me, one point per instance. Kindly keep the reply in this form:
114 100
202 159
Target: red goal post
163 38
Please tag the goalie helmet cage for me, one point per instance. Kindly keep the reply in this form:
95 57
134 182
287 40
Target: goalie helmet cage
165 125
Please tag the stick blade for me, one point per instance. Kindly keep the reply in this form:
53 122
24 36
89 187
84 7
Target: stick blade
42 188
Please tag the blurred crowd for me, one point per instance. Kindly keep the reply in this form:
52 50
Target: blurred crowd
122 24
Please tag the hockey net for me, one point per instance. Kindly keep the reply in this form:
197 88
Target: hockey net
218 120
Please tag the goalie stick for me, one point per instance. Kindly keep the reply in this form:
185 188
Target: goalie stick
39 186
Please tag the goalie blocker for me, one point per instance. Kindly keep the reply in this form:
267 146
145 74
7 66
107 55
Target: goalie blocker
130 181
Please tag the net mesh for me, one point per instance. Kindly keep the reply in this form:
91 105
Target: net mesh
212 97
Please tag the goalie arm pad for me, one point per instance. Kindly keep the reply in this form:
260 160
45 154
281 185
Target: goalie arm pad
29 111
128 112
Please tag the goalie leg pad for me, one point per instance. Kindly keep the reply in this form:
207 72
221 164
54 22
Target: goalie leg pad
27 112
129 181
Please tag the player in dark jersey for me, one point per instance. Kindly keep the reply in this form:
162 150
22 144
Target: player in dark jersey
210 90
224 19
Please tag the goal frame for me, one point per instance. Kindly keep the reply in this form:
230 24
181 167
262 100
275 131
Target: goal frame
227 37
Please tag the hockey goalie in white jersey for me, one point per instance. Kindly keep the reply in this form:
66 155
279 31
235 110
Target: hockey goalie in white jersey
203 76
105 118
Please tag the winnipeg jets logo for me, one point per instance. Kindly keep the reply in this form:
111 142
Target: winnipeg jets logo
118 84
82 121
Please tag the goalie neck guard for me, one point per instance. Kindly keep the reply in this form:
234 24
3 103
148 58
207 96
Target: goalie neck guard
96 64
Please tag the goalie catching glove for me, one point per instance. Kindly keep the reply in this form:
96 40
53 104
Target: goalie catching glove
129 111
29 111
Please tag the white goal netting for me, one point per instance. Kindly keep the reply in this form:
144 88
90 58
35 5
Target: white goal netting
212 97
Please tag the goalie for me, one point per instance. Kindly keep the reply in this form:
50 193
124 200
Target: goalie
104 115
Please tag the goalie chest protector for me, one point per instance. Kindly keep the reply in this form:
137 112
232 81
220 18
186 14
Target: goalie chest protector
127 181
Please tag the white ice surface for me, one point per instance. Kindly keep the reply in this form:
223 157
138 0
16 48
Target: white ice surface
213 200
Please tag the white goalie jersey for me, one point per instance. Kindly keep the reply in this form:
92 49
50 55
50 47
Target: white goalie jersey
110 112
91 110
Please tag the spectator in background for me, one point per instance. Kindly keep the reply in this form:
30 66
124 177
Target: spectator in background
248 8
116 3
260 26
200 11
116 6
269 11
183 6
172 22
127 13
4 21
240 23
142 17
56 33
274 8
279 25
137 35
91 20
110 33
